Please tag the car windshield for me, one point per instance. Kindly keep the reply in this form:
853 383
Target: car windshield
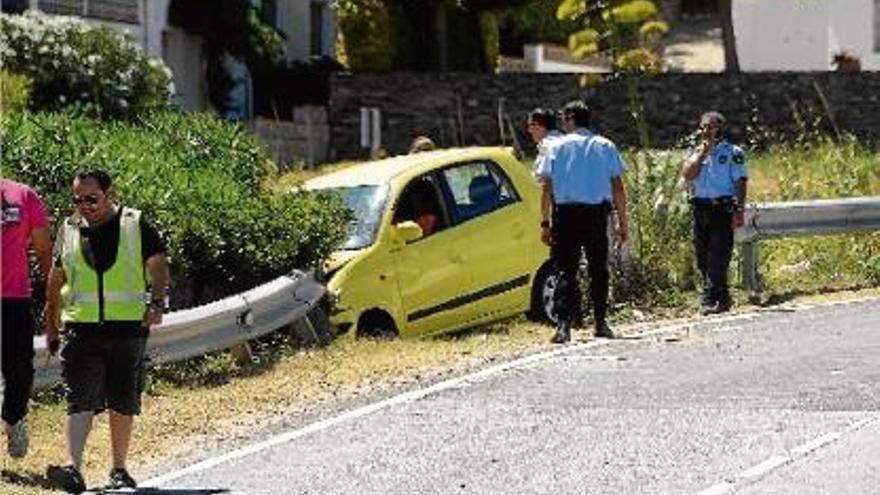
367 203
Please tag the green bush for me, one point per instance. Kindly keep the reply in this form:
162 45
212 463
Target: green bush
15 91
72 63
198 178
364 42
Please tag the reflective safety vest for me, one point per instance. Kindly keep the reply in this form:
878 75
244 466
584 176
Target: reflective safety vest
119 294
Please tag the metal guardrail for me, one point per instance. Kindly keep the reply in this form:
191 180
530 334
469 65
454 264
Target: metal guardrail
801 218
215 326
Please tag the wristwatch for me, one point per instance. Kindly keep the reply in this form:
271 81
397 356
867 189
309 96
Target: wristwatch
545 224
157 304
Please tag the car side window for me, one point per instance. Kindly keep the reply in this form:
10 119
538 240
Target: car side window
420 203
478 188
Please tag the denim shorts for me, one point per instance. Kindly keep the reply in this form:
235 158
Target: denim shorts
104 371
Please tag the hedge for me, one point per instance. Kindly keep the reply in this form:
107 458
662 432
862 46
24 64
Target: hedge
197 178
73 63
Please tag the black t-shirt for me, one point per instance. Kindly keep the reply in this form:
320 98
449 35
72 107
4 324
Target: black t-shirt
103 242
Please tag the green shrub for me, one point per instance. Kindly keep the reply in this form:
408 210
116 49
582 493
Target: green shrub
364 42
198 178
15 91
72 63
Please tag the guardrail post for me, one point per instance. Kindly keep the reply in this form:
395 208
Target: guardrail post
242 353
750 267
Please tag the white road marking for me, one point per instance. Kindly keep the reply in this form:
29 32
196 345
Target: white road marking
719 489
816 443
449 384
765 467
758 471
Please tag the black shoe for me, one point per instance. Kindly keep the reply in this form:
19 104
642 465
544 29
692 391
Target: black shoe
717 308
563 333
708 309
119 478
66 478
603 330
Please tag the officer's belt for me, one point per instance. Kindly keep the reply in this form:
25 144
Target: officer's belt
605 205
719 201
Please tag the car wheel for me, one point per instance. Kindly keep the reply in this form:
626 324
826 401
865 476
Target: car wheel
377 324
543 289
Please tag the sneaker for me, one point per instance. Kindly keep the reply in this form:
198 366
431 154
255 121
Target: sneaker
119 478
17 440
66 478
603 330
563 333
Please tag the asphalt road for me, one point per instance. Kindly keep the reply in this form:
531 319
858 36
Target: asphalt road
780 402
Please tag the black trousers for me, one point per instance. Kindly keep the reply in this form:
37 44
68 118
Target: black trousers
580 228
17 357
713 243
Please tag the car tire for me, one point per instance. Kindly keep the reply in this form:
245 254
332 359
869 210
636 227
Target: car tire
543 286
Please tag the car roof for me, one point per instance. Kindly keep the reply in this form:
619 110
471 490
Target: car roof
383 171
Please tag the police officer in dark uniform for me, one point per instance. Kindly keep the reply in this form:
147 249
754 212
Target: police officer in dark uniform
580 176
716 171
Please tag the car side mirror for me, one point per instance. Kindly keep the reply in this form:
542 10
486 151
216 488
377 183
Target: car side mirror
408 231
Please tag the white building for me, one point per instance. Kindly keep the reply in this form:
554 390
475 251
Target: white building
806 34
308 25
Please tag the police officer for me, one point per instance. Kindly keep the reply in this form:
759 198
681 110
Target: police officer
716 171
580 178
108 258
542 128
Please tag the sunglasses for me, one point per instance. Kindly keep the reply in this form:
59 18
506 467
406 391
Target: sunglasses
91 200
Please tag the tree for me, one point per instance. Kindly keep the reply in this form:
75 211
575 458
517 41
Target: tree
624 30
423 35
731 60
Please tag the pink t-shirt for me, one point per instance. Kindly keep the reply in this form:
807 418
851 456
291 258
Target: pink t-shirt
22 213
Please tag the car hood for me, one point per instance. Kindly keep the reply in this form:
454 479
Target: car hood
338 259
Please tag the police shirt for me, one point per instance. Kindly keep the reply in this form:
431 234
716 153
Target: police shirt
581 166
544 146
103 242
725 165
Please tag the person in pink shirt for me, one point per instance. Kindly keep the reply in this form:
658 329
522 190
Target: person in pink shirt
24 223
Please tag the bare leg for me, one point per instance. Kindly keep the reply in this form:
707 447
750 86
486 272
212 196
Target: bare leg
121 427
78 427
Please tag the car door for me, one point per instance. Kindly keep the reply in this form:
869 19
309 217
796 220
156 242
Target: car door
430 271
489 217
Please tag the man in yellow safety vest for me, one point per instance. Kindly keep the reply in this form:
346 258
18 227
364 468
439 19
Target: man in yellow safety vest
107 259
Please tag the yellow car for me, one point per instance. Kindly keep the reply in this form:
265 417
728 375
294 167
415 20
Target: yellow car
440 241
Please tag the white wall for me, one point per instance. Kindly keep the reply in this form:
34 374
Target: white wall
294 19
803 34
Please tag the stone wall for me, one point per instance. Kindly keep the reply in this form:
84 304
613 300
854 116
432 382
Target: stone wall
457 109
303 140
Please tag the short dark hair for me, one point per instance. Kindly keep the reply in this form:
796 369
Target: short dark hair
545 117
578 111
98 175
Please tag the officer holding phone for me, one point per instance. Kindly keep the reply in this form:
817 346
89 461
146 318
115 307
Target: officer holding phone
716 172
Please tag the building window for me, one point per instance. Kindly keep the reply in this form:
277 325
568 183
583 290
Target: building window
317 28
